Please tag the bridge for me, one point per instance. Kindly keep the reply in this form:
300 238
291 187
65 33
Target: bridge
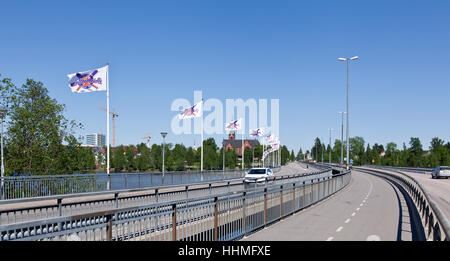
305 202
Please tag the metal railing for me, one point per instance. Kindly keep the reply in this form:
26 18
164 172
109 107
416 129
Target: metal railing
411 169
40 186
434 221
28 209
227 216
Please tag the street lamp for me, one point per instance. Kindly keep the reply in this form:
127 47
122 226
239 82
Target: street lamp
342 136
348 151
163 134
2 117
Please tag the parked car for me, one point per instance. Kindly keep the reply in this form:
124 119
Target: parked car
440 171
258 175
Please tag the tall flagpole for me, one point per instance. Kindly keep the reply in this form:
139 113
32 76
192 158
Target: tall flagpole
243 160
107 126
201 163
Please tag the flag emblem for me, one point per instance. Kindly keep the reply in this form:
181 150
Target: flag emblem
88 81
191 112
234 125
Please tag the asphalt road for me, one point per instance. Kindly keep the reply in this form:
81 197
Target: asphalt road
438 189
369 208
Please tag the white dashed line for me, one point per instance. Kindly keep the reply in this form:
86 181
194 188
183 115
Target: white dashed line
357 209
361 205
353 214
339 229
346 221
373 238
330 238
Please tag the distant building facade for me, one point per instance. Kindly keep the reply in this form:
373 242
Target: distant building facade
236 145
96 139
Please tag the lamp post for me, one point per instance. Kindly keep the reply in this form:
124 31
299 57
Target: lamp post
163 134
348 112
342 136
2 117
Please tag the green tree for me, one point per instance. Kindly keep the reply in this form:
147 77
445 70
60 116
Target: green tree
36 131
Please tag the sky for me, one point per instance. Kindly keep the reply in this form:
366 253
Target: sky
163 50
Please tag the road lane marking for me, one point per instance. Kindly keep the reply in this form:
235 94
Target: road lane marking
361 205
339 229
373 238
353 214
357 209
346 221
330 238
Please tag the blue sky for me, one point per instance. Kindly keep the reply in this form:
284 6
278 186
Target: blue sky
163 50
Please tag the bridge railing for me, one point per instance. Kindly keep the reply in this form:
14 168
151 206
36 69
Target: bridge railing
419 170
49 185
27 209
435 222
226 216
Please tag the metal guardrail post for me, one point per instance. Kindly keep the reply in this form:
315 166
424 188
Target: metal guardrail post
293 198
281 201
304 195
265 206
109 227
216 219
174 222
59 202
116 199
187 192
244 216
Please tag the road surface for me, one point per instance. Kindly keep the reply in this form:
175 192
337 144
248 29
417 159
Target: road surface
369 208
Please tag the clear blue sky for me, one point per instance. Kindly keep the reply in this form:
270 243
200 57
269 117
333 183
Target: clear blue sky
163 50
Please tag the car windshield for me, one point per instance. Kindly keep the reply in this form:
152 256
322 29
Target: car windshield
257 171
445 168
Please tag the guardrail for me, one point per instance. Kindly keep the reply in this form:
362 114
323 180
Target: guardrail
27 209
40 186
419 170
226 216
434 221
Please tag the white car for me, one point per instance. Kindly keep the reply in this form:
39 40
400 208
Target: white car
257 175
441 171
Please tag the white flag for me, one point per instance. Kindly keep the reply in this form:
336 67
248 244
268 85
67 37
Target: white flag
271 139
234 125
88 81
257 132
192 112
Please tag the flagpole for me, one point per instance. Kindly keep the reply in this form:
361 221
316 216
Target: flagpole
201 163
107 126
243 161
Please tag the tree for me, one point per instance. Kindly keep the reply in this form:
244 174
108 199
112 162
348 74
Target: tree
36 131
415 152
300 155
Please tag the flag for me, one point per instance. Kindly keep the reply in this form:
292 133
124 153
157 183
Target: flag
257 132
88 81
271 139
234 125
192 112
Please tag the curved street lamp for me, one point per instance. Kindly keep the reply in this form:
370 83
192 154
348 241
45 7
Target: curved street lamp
348 60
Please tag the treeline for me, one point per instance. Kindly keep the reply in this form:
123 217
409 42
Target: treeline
40 140
413 155
179 157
